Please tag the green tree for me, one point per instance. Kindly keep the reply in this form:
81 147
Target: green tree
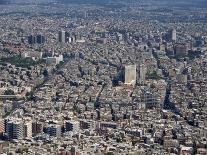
9 92
110 153
45 73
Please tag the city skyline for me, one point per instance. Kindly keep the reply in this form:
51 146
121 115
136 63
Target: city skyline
103 77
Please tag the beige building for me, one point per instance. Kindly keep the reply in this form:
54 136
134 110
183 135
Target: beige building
130 74
2 127
28 129
174 35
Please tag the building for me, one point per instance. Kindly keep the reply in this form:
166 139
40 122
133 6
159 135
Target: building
2 127
67 37
130 74
103 125
181 50
173 35
119 37
15 129
54 130
31 39
32 54
18 130
28 129
142 74
170 35
181 78
62 36
52 60
162 47
9 129
40 39
36 39
72 125
73 150
86 124
37 127
150 100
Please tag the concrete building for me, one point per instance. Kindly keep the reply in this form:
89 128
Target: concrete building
62 36
18 130
103 125
2 127
72 125
40 39
67 37
181 50
86 124
181 78
150 99
54 130
36 39
142 73
52 60
173 35
37 127
15 129
32 39
28 129
130 74
9 129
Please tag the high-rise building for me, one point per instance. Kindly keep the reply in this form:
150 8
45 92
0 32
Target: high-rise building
150 100
15 129
173 35
2 127
130 74
119 37
62 36
181 50
40 39
86 124
142 73
72 125
1 109
67 37
54 130
37 127
31 39
73 150
18 130
9 129
28 129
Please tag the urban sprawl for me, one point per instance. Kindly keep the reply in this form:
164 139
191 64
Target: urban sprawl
112 79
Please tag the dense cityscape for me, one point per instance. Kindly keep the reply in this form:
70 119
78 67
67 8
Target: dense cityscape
103 77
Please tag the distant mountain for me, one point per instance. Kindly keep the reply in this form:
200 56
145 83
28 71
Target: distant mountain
179 3
107 3
97 2
4 2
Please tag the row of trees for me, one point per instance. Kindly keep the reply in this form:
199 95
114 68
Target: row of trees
21 62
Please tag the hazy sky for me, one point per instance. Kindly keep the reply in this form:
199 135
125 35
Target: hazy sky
183 3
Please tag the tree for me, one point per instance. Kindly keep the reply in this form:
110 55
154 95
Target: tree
45 73
9 92
110 153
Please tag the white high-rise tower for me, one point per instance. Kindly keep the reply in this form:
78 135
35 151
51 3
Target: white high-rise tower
174 35
130 74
